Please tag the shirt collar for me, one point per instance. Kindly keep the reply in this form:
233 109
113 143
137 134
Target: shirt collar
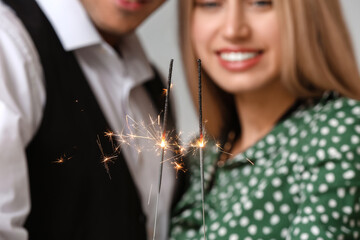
64 13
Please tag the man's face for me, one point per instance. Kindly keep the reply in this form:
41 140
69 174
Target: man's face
118 17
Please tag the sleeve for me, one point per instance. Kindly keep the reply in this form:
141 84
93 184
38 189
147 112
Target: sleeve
22 98
330 190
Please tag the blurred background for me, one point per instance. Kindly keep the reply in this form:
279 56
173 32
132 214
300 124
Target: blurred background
159 37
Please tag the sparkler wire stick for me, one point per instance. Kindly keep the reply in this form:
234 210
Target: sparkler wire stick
163 143
201 145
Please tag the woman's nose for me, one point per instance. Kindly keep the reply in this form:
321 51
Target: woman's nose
235 26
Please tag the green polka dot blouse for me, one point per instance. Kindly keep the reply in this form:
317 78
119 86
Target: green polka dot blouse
304 184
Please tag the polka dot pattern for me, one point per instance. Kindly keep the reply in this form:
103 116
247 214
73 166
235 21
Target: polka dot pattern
305 183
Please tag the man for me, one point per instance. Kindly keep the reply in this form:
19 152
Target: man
70 70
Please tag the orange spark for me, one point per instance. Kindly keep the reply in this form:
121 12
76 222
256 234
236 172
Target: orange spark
109 134
108 159
59 160
62 159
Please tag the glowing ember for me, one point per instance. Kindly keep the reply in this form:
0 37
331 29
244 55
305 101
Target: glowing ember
201 144
163 143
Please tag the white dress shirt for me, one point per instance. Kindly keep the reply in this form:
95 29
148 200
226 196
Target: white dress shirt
117 85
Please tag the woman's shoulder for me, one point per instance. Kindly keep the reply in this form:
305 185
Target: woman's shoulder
332 127
332 114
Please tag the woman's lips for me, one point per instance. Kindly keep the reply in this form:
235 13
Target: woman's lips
239 59
131 5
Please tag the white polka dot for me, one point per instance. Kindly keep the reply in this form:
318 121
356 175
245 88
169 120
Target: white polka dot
305 220
305 148
320 209
276 182
330 166
215 226
335 215
259 194
341 129
345 165
191 233
355 139
248 205
349 121
234 237
314 142
308 210
186 213
244 221
222 231
266 230
269 172
278 196
275 219
324 131
232 223
294 142
227 217
341 192
252 229
269 207
244 190
324 218
270 139
340 114
320 154
311 160
294 189
330 177
198 215
323 188
303 133
259 154
357 129
349 175
335 139
332 203
356 111
284 209
304 236
284 233
237 209
329 234
291 179
310 187
333 122
345 148
322 143
347 210
212 236
253 181
258 215
334 153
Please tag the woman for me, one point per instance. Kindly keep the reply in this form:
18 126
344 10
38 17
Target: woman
280 78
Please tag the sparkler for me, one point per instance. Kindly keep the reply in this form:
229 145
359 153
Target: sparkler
163 144
201 147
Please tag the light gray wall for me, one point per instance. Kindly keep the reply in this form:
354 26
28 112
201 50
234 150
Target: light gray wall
159 37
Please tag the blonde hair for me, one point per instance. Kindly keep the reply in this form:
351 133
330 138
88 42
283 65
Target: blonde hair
317 57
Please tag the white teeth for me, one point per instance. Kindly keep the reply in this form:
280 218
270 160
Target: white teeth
237 56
